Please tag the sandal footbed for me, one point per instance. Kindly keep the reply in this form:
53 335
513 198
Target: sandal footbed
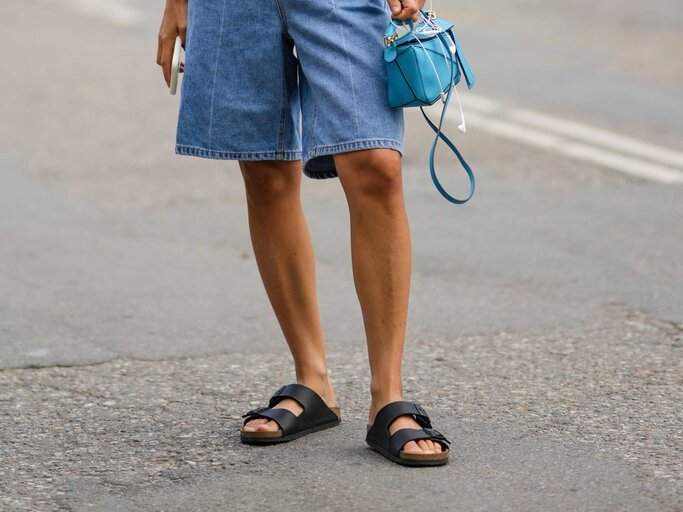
290 437
404 461
248 434
407 456
423 456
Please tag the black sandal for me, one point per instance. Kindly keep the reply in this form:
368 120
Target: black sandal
392 446
315 416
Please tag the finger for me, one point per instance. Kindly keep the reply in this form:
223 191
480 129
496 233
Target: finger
409 9
182 31
395 6
159 47
163 30
406 13
167 59
181 17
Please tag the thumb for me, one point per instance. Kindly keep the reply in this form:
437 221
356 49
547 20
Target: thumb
395 6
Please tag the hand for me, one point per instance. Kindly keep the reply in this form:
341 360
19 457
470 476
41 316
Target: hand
173 24
405 9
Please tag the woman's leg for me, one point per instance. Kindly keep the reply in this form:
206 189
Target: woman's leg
381 254
284 255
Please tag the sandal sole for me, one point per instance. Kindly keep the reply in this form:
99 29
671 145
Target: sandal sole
260 439
418 461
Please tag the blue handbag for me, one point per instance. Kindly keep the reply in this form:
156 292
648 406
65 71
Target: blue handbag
423 67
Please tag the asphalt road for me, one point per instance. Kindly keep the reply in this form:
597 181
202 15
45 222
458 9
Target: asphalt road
546 318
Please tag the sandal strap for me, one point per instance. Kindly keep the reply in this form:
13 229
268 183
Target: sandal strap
313 404
316 412
403 436
285 418
391 411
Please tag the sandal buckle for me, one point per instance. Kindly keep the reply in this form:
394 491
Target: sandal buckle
255 411
432 432
420 410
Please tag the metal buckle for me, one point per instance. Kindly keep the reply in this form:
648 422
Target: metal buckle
388 40
255 411
436 434
420 410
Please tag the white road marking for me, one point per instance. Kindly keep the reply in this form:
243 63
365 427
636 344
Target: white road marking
41 352
479 103
579 151
601 147
114 12
595 135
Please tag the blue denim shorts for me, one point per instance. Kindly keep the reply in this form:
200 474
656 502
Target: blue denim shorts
247 95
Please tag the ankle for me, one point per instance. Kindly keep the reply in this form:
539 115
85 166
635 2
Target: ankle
318 379
383 394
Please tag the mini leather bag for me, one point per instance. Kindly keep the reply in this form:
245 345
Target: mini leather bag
423 66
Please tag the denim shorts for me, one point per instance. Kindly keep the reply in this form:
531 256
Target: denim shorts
248 94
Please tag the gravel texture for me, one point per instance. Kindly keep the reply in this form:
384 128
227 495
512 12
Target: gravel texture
128 426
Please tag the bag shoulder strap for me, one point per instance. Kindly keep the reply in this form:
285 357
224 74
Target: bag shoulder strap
439 135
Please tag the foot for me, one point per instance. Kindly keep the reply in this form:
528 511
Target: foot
421 446
324 389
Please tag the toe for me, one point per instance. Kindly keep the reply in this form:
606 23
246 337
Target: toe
412 447
269 426
250 426
422 443
438 447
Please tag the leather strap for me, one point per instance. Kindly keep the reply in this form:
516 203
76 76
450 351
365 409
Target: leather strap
286 419
469 77
315 410
391 411
309 399
379 432
391 28
464 65
401 437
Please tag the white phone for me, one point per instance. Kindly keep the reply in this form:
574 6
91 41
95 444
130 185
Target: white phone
175 65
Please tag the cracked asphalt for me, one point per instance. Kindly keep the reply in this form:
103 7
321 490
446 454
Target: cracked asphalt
546 322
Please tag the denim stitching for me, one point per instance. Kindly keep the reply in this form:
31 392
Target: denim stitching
352 142
348 62
215 73
315 121
283 23
198 148
343 147
238 155
281 130
283 17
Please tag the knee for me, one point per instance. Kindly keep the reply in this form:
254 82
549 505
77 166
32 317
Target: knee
373 175
269 181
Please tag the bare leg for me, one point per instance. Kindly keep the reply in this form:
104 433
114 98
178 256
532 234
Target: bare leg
284 255
381 254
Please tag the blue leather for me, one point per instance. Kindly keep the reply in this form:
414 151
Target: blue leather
417 70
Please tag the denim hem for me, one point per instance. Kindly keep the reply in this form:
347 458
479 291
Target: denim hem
237 155
345 147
